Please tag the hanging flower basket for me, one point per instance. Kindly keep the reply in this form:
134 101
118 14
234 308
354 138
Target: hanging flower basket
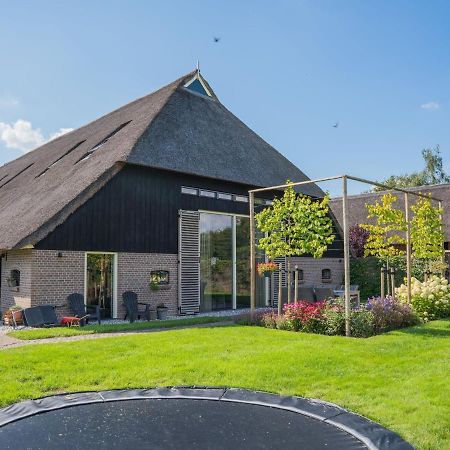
266 269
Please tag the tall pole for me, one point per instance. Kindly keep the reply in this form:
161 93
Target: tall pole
289 280
296 284
280 289
346 255
408 248
443 249
252 253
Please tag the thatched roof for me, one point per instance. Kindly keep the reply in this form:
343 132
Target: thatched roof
173 128
358 211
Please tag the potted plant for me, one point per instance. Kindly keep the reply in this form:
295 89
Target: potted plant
8 316
266 269
162 311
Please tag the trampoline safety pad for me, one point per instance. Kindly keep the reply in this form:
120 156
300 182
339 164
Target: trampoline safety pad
188 417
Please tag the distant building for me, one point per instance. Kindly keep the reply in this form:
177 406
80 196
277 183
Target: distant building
358 211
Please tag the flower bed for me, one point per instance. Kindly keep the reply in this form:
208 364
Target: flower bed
377 316
430 299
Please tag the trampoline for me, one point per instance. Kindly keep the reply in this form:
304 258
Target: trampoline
188 418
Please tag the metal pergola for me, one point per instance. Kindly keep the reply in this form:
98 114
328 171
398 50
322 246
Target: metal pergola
345 230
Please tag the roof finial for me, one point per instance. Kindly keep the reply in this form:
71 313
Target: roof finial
198 66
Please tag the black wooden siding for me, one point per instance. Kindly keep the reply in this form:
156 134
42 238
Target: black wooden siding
137 211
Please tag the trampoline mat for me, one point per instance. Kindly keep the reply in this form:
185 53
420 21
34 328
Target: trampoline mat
173 424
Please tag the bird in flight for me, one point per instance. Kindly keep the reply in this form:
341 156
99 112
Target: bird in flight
216 39
336 125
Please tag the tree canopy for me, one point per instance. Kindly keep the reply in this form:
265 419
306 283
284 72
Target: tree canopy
427 233
385 238
432 173
295 225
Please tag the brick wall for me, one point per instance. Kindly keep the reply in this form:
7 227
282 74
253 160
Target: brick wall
19 260
134 274
54 278
312 269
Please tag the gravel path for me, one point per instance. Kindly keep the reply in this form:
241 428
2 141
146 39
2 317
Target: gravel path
10 342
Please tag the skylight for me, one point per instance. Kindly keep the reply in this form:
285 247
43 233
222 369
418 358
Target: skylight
88 154
16 175
61 157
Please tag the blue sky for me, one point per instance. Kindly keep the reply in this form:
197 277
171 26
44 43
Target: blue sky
288 69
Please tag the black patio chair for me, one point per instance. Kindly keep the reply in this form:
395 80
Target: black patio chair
306 293
80 309
323 293
40 316
133 312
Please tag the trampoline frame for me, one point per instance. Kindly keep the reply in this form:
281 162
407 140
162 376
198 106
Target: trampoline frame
370 433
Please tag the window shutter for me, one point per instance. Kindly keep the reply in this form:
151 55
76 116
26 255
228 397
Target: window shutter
189 262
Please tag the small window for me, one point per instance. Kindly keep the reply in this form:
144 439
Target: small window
197 86
268 202
209 194
160 277
14 278
224 196
301 276
326 275
189 190
88 154
241 198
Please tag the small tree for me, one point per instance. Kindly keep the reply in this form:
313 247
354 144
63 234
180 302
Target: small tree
427 235
295 225
385 241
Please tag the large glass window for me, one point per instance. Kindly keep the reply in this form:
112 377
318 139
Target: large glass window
225 263
216 257
99 282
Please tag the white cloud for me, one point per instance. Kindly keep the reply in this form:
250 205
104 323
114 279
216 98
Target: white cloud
430 106
21 135
60 133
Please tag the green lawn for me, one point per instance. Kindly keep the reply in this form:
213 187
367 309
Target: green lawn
43 333
400 379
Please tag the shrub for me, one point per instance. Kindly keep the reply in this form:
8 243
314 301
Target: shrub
305 316
256 319
389 314
269 320
361 322
283 323
430 299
